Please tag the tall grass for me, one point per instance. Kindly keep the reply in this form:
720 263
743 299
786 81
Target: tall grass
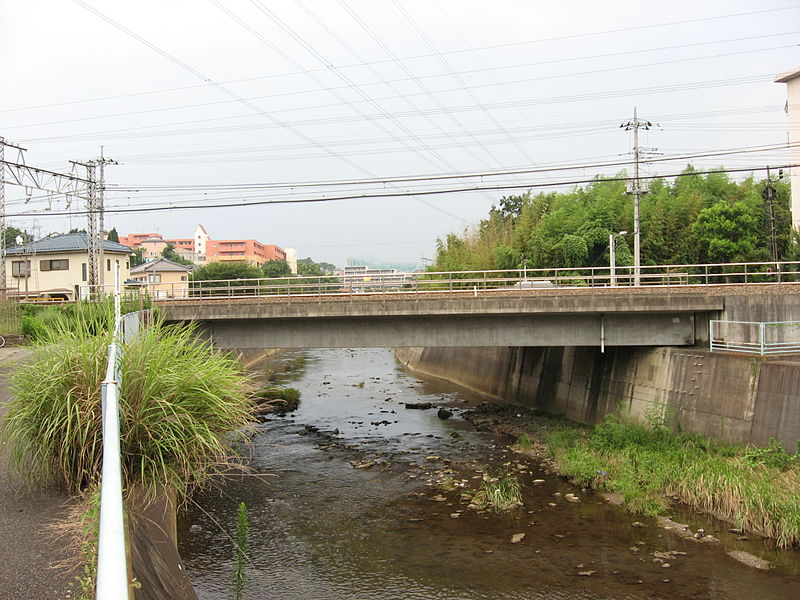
757 489
180 403
241 541
40 322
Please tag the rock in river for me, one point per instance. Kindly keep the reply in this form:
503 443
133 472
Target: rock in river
419 405
443 413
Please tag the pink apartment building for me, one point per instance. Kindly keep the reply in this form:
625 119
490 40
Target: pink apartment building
201 249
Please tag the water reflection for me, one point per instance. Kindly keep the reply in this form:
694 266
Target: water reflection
321 528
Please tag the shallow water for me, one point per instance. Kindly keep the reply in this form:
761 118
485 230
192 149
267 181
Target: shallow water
322 528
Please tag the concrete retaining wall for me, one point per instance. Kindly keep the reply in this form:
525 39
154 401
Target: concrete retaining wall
734 398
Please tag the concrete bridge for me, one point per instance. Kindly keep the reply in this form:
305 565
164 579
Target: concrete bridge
546 317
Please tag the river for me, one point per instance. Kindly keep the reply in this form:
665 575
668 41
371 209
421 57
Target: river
345 501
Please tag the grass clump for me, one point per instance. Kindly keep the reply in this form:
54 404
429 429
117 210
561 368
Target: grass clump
523 443
754 488
497 493
241 541
274 399
180 402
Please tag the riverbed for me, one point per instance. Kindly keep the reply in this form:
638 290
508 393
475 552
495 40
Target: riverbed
354 496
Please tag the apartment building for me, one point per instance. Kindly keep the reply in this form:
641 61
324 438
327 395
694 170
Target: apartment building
249 251
201 249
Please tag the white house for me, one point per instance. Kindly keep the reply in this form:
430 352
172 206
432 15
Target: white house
57 266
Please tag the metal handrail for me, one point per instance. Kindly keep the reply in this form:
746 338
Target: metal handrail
761 347
112 562
488 281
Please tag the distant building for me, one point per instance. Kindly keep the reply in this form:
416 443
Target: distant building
361 278
291 259
792 80
201 249
248 251
57 267
163 278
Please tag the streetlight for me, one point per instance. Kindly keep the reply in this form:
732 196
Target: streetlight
612 255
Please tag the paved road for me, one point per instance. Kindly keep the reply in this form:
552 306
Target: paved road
26 550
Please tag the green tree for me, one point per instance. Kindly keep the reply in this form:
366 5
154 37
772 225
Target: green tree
227 270
276 268
137 258
11 234
170 254
309 269
205 280
113 236
726 232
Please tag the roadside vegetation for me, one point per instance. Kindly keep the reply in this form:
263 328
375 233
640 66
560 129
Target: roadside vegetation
694 219
182 404
39 322
757 489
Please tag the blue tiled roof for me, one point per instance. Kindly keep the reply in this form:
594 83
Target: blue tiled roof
68 242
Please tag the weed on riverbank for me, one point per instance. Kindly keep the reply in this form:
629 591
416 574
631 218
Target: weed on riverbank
757 489
497 492
180 402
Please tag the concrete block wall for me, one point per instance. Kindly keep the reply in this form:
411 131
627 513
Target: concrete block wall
731 397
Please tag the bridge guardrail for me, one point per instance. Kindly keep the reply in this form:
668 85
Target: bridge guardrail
485 281
755 337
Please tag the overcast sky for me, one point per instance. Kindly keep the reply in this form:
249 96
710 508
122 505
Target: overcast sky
221 93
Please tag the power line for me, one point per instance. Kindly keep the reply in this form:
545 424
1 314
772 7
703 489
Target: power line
448 176
663 89
456 52
219 86
218 191
415 78
408 194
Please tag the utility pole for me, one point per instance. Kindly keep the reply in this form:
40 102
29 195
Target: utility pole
3 145
95 220
33 178
92 247
101 189
770 194
637 190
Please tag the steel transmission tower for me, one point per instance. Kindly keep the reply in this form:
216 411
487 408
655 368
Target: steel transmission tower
637 190
3 282
18 173
95 190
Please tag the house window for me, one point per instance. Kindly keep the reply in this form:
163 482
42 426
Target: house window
108 264
20 268
154 277
59 264
184 278
84 274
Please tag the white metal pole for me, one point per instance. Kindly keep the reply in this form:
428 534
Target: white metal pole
612 260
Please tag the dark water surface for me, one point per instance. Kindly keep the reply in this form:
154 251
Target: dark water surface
322 528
